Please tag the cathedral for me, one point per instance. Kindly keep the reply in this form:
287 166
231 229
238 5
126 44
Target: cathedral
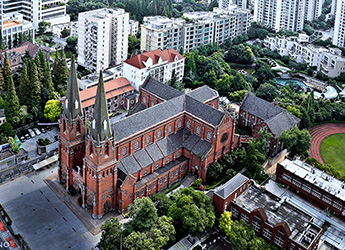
166 135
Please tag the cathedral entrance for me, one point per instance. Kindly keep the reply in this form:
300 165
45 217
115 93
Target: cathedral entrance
106 207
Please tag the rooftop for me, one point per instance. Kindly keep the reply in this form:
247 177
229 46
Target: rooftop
229 187
328 183
280 211
10 23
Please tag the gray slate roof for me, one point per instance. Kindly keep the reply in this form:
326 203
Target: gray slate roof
160 89
170 144
201 147
277 119
154 152
130 165
143 158
203 94
190 142
229 187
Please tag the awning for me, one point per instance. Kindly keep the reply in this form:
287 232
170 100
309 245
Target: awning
46 162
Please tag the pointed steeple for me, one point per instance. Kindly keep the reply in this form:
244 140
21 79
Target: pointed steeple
72 107
100 125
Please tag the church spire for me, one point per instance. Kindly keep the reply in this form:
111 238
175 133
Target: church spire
100 125
72 107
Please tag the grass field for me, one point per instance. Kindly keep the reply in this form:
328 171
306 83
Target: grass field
332 151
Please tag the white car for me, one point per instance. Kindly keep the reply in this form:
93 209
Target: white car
37 131
32 134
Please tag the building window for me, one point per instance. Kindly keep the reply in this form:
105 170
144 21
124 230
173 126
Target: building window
279 239
159 134
208 136
148 139
130 197
78 127
198 130
157 166
154 185
245 218
169 129
256 223
91 149
126 193
136 145
149 188
316 194
124 151
160 182
179 124
267 233
165 178
145 172
137 194
176 172
106 149
142 192
188 124
152 103
168 160
144 99
234 212
178 154
131 183
171 175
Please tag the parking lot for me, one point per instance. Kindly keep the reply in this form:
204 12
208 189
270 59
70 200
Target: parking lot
31 146
40 217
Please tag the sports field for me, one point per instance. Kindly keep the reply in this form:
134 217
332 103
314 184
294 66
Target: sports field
332 151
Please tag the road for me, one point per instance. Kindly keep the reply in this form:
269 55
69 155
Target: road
40 217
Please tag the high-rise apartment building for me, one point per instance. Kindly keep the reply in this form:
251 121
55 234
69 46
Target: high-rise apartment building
195 29
36 11
102 38
339 26
224 4
280 15
313 9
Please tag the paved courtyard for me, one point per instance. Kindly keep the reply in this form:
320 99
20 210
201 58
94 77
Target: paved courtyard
40 217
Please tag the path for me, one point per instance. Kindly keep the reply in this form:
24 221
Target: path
320 132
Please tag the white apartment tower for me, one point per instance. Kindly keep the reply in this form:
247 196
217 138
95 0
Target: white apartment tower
36 11
224 4
313 9
339 26
280 15
102 38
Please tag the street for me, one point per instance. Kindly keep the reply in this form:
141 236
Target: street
40 217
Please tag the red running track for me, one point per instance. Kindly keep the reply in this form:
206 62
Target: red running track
320 132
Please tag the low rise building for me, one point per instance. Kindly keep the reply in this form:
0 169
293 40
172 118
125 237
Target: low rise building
133 27
259 114
157 63
315 185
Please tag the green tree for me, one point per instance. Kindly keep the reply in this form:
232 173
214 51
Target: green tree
71 45
35 89
238 96
252 160
225 222
2 44
9 42
240 54
239 83
172 82
162 203
139 241
111 235
192 210
60 73
2 81
52 110
6 129
47 81
267 92
296 141
24 86
65 33
143 213
42 27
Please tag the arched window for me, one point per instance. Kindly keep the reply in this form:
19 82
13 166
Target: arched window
91 149
106 149
152 103
188 124
124 151
159 134
209 136
168 160
78 127
179 125
148 139
144 99
136 145
169 129
198 130
64 126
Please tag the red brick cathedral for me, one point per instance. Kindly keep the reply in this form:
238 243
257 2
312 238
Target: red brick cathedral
167 135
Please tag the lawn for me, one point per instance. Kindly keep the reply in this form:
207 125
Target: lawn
332 150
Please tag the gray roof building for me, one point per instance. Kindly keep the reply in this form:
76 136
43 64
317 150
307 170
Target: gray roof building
228 188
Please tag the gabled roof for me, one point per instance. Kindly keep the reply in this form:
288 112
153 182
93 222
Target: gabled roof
161 90
203 93
233 184
277 119
27 46
139 61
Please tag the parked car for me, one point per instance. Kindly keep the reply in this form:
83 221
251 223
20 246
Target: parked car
43 130
22 138
27 136
37 131
49 128
32 134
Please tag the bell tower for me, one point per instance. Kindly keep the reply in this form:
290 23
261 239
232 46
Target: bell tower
100 158
72 133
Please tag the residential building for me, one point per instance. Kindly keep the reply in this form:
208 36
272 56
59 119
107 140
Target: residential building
133 27
275 219
102 38
259 114
339 24
58 28
13 26
224 4
15 56
326 191
119 93
313 9
327 60
36 11
197 28
158 63
114 163
280 15
334 7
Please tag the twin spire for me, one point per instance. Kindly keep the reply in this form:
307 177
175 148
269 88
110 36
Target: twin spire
100 125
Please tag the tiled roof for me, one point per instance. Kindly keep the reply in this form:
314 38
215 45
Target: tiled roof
139 61
143 158
27 46
161 90
203 94
228 188
112 88
130 164
277 119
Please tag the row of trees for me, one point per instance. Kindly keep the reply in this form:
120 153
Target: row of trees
18 39
154 224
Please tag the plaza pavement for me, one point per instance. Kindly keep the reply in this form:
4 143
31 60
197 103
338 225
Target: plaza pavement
40 217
